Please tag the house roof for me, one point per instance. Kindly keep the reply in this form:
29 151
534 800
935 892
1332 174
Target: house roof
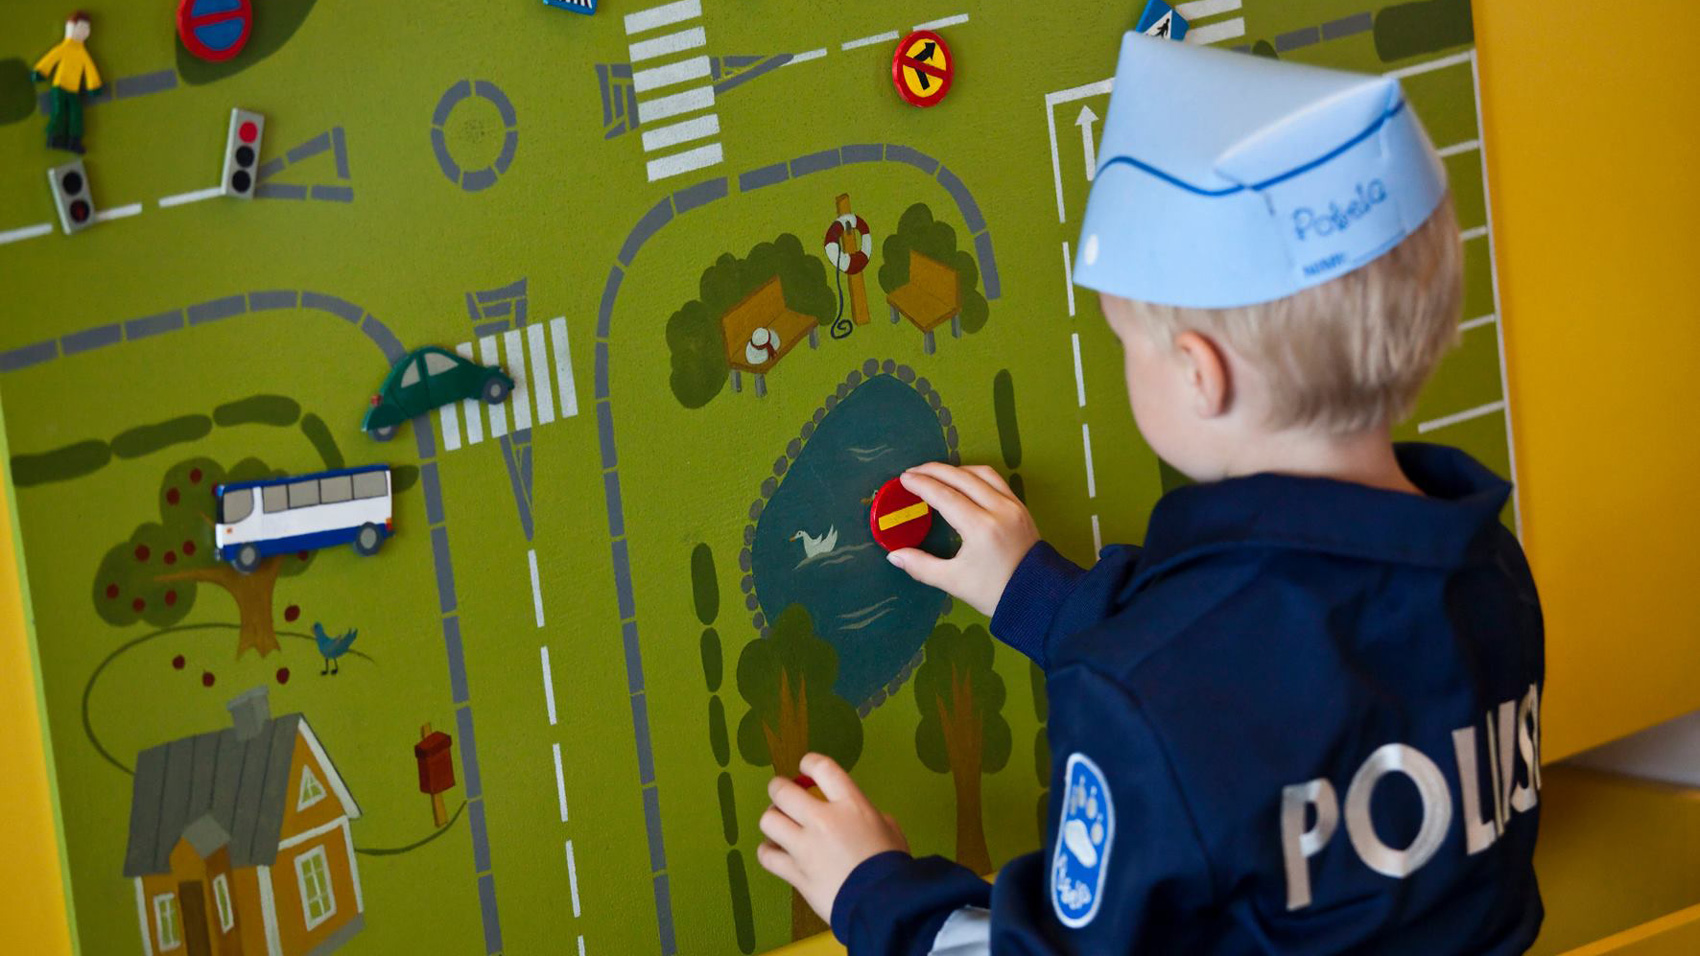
213 788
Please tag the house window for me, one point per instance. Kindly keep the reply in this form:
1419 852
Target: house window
312 791
221 897
166 925
313 876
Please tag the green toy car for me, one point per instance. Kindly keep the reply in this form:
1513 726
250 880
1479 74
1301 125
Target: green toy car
427 378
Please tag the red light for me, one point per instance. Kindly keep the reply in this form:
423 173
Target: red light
247 131
375 401
79 210
389 524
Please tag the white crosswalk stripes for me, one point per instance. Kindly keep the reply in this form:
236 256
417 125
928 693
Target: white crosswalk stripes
536 387
665 69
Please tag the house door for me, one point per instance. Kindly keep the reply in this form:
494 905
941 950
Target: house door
192 894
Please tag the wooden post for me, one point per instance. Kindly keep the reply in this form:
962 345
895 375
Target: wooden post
439 809
858 286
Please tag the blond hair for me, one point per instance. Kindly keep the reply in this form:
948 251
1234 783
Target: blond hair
1352 353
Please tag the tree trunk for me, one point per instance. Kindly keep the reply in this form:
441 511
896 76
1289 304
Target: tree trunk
252 594
787 744
964 743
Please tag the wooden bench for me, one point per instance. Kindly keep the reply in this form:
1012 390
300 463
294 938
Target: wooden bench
764 308
929 298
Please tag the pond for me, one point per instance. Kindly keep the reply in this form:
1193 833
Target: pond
812 543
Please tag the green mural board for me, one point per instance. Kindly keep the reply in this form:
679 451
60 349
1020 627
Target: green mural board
647 579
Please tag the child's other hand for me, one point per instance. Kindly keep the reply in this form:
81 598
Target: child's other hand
997 532
814 844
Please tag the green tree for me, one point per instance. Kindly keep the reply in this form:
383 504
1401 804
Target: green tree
693 333
918 230
153 575
962 731
787 678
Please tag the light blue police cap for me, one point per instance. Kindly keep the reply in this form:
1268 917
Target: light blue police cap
1226 179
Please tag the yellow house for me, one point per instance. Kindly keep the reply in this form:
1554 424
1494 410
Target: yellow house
239 841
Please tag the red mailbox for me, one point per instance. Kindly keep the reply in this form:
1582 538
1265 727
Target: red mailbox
435 754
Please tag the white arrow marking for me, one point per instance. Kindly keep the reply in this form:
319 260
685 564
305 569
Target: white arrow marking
1085 121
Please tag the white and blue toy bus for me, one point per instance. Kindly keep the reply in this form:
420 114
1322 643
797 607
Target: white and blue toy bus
257 519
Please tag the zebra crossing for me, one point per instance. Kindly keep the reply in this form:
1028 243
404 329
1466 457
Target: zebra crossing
550 354
664 67
1197 10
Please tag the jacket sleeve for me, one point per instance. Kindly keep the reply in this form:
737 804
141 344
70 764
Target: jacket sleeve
91 76
1123 869
44 66
1050 597
895 905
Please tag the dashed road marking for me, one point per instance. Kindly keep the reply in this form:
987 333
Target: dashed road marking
548 683
886 37
1086 443
1424 428
1079 376
1217 32
1432 65
814 54
1477 323
1199 9
560 785
572 884
1068 277
1457 148
26 232
1097 538
943 22
537 608
196 195
118 212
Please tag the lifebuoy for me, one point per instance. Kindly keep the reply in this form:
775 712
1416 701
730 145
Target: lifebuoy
855 260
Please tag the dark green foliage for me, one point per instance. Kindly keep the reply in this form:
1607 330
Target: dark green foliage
1429 26
320 435
743 919
403 477
1041 699
60 464
704 588
17 93
957 672
1003 403
1017 485
728 808
1264 49
787 679
918 230
717 732
698 353
693 333
275 21
147 439
258 410
1042 756
711 659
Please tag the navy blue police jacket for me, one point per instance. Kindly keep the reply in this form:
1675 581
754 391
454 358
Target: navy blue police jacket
1304 718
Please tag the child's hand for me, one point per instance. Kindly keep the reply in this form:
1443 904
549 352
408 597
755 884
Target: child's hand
814 844
997 532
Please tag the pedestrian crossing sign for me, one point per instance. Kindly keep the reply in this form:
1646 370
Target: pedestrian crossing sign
1160 20
586 7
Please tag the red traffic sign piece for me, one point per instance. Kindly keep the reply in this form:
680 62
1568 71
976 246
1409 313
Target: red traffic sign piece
922 68
214 30
899 518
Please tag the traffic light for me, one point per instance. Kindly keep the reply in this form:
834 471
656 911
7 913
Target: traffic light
242 153
70 184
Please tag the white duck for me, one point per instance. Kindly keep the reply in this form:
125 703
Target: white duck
813 546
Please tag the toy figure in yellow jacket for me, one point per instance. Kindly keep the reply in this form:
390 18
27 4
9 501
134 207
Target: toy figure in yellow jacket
70 71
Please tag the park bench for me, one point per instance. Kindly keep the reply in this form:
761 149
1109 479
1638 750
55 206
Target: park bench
930 297
764 308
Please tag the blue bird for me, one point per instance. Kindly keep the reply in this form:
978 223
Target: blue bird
332 648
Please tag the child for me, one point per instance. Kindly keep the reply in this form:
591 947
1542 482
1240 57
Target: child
1304 718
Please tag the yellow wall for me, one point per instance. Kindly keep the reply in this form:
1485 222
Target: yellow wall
1591 145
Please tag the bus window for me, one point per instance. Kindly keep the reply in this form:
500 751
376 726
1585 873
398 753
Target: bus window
273 498
333 490
303 493
371 484
410 377
233 506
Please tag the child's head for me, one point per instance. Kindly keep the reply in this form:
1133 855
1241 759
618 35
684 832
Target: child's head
1275 248
1340 358
77 26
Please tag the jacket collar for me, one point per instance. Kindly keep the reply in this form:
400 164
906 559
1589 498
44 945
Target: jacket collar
1461 498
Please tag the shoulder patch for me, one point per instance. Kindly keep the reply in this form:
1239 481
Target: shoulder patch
1081 859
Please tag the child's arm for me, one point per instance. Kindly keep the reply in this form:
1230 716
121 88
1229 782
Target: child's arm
1032 594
